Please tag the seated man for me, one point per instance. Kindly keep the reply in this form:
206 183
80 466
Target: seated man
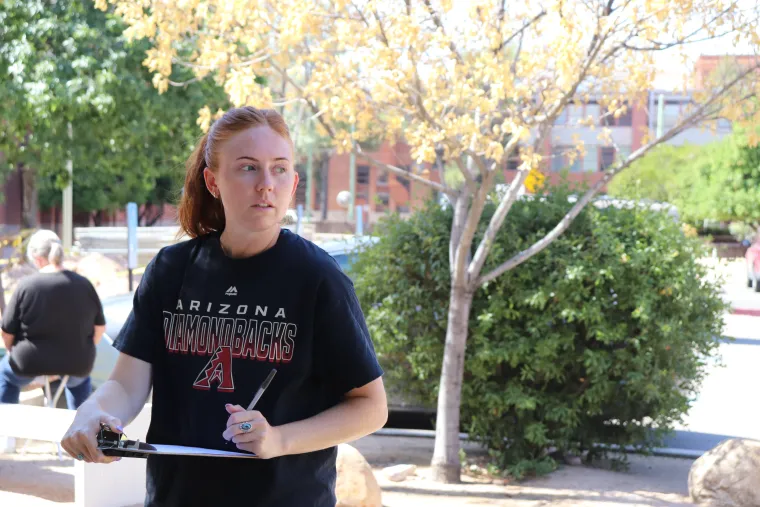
51 325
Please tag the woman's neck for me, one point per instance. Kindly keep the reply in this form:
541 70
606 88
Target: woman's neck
51 268
238 244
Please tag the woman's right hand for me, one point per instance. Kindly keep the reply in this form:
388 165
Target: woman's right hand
80 441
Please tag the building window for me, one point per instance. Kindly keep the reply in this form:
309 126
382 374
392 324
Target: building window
562 118
362 174
558 159
382 176
381 201
565 157
404 181
592 113
591 159
624 153
671 114
608 157
624 120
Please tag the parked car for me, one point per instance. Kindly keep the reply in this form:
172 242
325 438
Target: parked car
752 258
117 308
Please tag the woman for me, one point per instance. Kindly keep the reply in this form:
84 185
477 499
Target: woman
214 315
51 325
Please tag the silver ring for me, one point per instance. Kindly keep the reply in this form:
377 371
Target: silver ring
246 427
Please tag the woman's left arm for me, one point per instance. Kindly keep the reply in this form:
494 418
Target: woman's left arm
363 411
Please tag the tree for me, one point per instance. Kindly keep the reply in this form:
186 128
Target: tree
68 64
598 342
473 81
715 181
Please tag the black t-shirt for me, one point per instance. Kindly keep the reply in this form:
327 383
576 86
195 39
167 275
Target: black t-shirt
213 327
52 317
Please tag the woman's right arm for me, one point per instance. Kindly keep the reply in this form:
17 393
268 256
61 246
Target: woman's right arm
115 403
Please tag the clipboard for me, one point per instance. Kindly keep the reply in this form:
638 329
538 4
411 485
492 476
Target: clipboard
111 443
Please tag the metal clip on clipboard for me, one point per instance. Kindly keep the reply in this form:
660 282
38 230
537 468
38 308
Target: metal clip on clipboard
111 443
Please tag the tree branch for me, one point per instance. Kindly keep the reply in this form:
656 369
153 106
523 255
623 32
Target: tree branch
659 46
261 57
520 31
497 220
461 204
439 24
406 174
470 226
312 105
469 181
565 222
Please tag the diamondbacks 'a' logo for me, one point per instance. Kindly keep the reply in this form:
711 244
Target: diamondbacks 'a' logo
232 291
217 370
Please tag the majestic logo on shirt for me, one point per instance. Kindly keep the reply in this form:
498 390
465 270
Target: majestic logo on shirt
232 291
217 370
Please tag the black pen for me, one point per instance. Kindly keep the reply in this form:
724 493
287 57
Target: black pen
261 390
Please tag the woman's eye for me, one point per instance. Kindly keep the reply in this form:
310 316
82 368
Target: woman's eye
249 168
281 169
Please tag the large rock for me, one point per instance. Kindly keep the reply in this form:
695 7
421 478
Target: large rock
728 475
356 484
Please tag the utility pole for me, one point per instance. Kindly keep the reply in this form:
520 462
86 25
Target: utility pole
309 181
660 115
68 199
352 177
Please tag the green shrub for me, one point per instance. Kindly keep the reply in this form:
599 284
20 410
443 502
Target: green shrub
600 339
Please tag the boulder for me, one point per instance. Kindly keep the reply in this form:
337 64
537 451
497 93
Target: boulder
728 475
399 473
98 268
356 484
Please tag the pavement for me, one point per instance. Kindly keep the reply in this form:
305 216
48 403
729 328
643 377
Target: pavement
722 408
37 479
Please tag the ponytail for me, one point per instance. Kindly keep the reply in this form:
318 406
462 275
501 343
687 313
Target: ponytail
199 211
55 257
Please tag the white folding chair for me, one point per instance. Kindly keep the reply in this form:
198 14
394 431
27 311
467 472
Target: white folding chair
51 400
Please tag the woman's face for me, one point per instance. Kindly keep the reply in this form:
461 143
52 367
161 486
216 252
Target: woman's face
255 179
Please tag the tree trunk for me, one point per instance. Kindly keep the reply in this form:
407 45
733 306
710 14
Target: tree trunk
29 210
445 464
324 170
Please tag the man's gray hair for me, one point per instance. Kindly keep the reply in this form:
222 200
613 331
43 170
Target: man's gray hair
47 245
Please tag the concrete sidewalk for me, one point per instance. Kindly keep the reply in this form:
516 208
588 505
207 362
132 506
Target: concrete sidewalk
38 479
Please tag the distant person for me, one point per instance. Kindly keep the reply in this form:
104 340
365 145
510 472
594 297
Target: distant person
51 325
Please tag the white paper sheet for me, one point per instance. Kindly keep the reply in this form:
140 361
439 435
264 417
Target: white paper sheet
197 451
181 450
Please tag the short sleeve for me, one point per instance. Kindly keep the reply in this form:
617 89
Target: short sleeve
12 315
100 318
345 356
144 325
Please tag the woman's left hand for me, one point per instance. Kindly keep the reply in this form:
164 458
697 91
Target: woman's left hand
251 432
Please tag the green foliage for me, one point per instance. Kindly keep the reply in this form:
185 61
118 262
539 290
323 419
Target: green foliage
716 181
68 63
600 339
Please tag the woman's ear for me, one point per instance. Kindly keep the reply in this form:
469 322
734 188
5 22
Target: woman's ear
210 178
295 184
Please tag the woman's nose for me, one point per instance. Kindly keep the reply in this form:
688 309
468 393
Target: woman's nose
265 180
